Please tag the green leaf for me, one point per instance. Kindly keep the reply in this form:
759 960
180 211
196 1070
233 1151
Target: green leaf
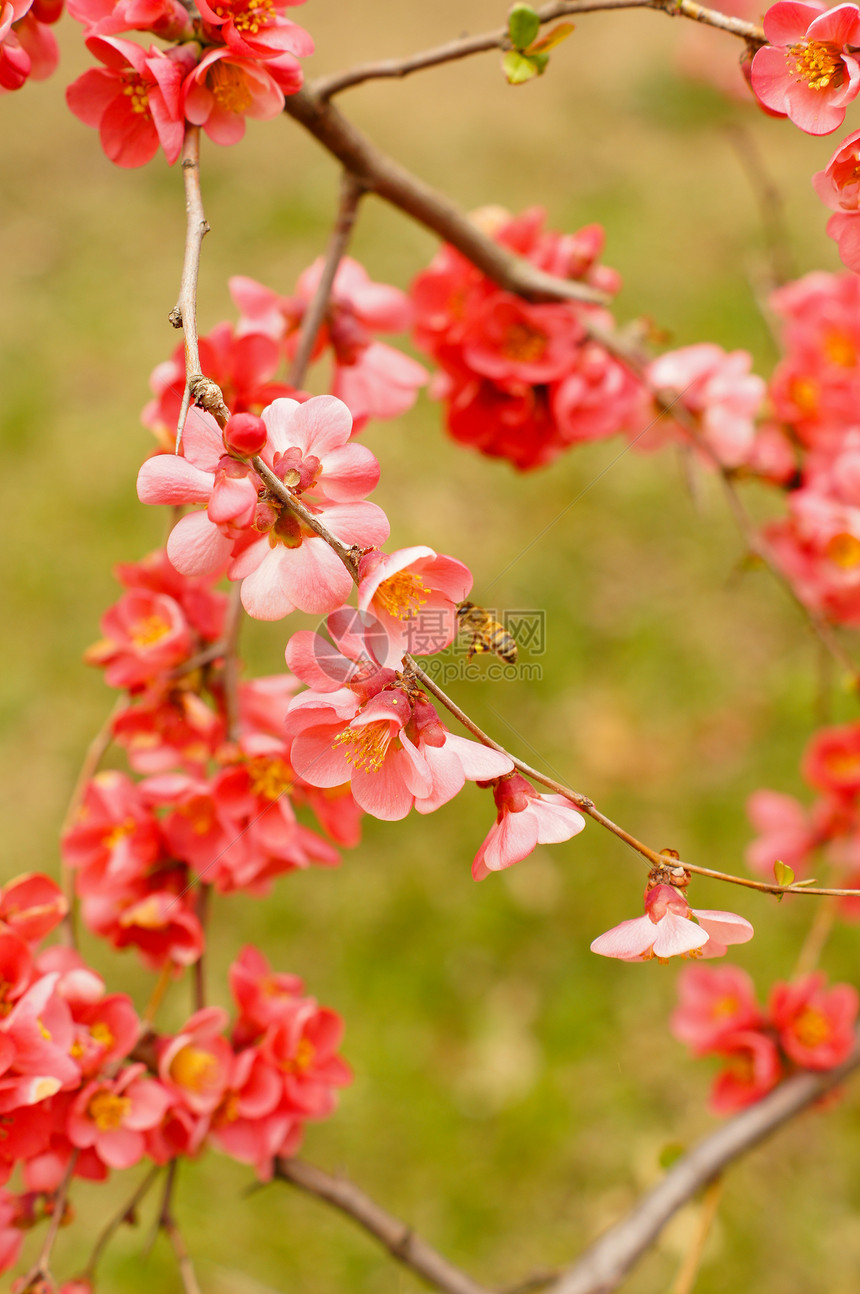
518 68
670 1154
523 26
782 873
551 39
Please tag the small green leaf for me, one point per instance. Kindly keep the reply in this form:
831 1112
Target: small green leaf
670 1154
552 38
523 26
782 873
539 61
518 68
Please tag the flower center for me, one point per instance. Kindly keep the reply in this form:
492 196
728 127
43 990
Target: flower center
118 833
524 343
804 393
101 1035
843 550
270 778
295 471
194 1068
303 1059
366 745
149 630
816 63
838 346
257 14
400 595
107 1110
811 1028
137 92
229 86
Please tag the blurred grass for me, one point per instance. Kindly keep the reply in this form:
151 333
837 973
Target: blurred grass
512 1091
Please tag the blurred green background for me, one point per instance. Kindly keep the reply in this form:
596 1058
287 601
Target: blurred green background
513 1092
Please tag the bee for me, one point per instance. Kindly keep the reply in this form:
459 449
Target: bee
486 634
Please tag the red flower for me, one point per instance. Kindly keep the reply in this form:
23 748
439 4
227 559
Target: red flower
134 100
816 1025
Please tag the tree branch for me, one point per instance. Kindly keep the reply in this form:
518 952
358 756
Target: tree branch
394 184
350 196
392 68
184 313
126 1214
605 1264
399 1239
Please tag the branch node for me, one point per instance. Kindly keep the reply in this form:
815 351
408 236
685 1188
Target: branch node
175 317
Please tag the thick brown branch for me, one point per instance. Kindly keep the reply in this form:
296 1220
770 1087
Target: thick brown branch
399 1239
382 175
350 196
452 50
184 313
602 1267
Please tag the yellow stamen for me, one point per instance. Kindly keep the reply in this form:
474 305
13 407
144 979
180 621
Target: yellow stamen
816 63
843 550
839 347
303 1059
138 94
194 1068
270 778
229 86
366 745
811 1028
101 1035
400 594
149 630
118 833
108 1111
524 343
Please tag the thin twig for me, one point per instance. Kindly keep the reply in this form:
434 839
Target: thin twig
167 1223
351 190
41 1270
399 1239
204 894
126 1214
452 50
605 1264
184 313
769 199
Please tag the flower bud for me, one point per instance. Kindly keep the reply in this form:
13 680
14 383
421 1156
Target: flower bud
245 435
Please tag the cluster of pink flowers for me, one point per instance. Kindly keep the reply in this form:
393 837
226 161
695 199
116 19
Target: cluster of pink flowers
806 1026
790 833
523 381
234 60
80 1075
813 396
810 72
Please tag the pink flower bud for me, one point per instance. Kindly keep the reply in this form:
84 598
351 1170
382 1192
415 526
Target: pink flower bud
245 435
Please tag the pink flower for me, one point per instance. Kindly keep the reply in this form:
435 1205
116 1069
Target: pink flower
831 762
754 1070
302 1045
719 390
133 101
413 593
145 635
816 1025
806 70
32 906
393 750
838 187
671 928
785 832
255 30
282 565
262 995
114 838
111 1116
167 19
524 819
195 1065
715 1002
372 379
251 1122
225 88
